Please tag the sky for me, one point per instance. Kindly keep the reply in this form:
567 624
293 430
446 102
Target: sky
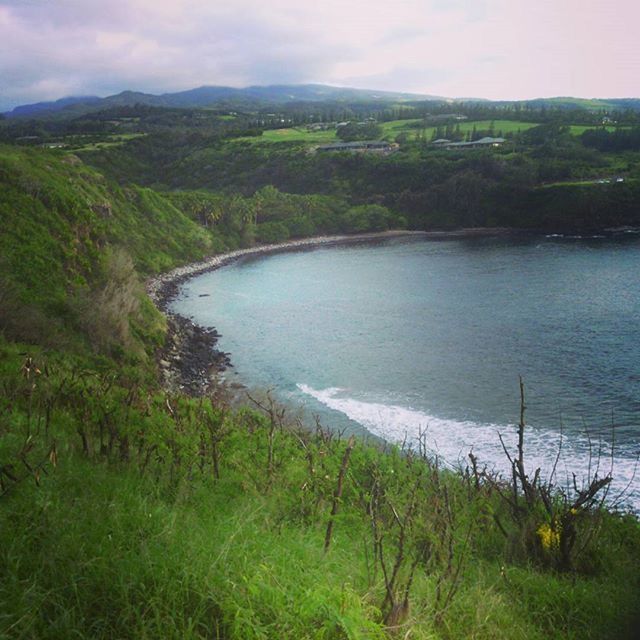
497 49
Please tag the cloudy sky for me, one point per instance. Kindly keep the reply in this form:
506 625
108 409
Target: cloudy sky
498 49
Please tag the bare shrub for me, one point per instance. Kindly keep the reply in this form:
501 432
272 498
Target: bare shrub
105 313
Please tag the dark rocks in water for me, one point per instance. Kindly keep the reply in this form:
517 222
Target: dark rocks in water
189 359
167 292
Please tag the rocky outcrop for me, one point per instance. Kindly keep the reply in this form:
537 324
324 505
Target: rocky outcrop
189 360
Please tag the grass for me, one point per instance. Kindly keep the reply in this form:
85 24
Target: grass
594 182
52 203
297 134
211 562
142 540
579 129
389 131
411 128
584 103
115 140
61 276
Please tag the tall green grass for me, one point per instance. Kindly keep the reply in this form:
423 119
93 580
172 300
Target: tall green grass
130 534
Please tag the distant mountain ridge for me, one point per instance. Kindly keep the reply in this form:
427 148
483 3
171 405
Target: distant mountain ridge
51 106
212 95
209 96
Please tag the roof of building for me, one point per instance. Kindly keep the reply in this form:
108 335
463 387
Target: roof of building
358 144
487 140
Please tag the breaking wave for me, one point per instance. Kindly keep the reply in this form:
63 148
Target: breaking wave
451 441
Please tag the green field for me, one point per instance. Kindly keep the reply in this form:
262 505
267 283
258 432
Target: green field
298 134
389 131
112 141
593 104
411 127
394 127
579 129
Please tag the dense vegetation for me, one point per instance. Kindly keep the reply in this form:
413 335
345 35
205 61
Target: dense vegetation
71 247
129 512
561 169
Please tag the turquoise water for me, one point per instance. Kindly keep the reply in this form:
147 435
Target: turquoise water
409 335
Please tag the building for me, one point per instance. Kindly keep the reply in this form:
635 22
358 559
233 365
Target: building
484 143
445 117
361 146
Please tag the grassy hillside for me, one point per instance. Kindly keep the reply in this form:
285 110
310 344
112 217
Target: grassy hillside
71 242
48 193
127 512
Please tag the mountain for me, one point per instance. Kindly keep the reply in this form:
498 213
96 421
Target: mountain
209 96
38 108
212 95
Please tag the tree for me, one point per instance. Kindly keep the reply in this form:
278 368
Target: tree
367 217
359 131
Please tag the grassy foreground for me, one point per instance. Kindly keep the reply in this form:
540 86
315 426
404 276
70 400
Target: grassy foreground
130 514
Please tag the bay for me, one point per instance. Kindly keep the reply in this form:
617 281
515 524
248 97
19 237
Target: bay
410 335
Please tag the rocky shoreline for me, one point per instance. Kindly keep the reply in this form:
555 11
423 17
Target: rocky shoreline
189 361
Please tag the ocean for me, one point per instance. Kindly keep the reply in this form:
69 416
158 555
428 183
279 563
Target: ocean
408 336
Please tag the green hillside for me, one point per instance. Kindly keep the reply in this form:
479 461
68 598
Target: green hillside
72 240
127 511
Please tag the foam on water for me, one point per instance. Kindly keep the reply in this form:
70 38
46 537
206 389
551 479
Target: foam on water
451 441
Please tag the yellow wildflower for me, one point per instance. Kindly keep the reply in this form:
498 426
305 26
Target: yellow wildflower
549 537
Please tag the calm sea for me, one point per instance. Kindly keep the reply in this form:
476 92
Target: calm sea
408 335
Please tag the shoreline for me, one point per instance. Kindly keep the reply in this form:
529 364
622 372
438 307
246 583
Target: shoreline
159 287
189 361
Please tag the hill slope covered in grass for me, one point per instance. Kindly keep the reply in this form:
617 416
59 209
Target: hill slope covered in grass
128 512
72 246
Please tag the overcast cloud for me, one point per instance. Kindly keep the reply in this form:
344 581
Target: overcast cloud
498 49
